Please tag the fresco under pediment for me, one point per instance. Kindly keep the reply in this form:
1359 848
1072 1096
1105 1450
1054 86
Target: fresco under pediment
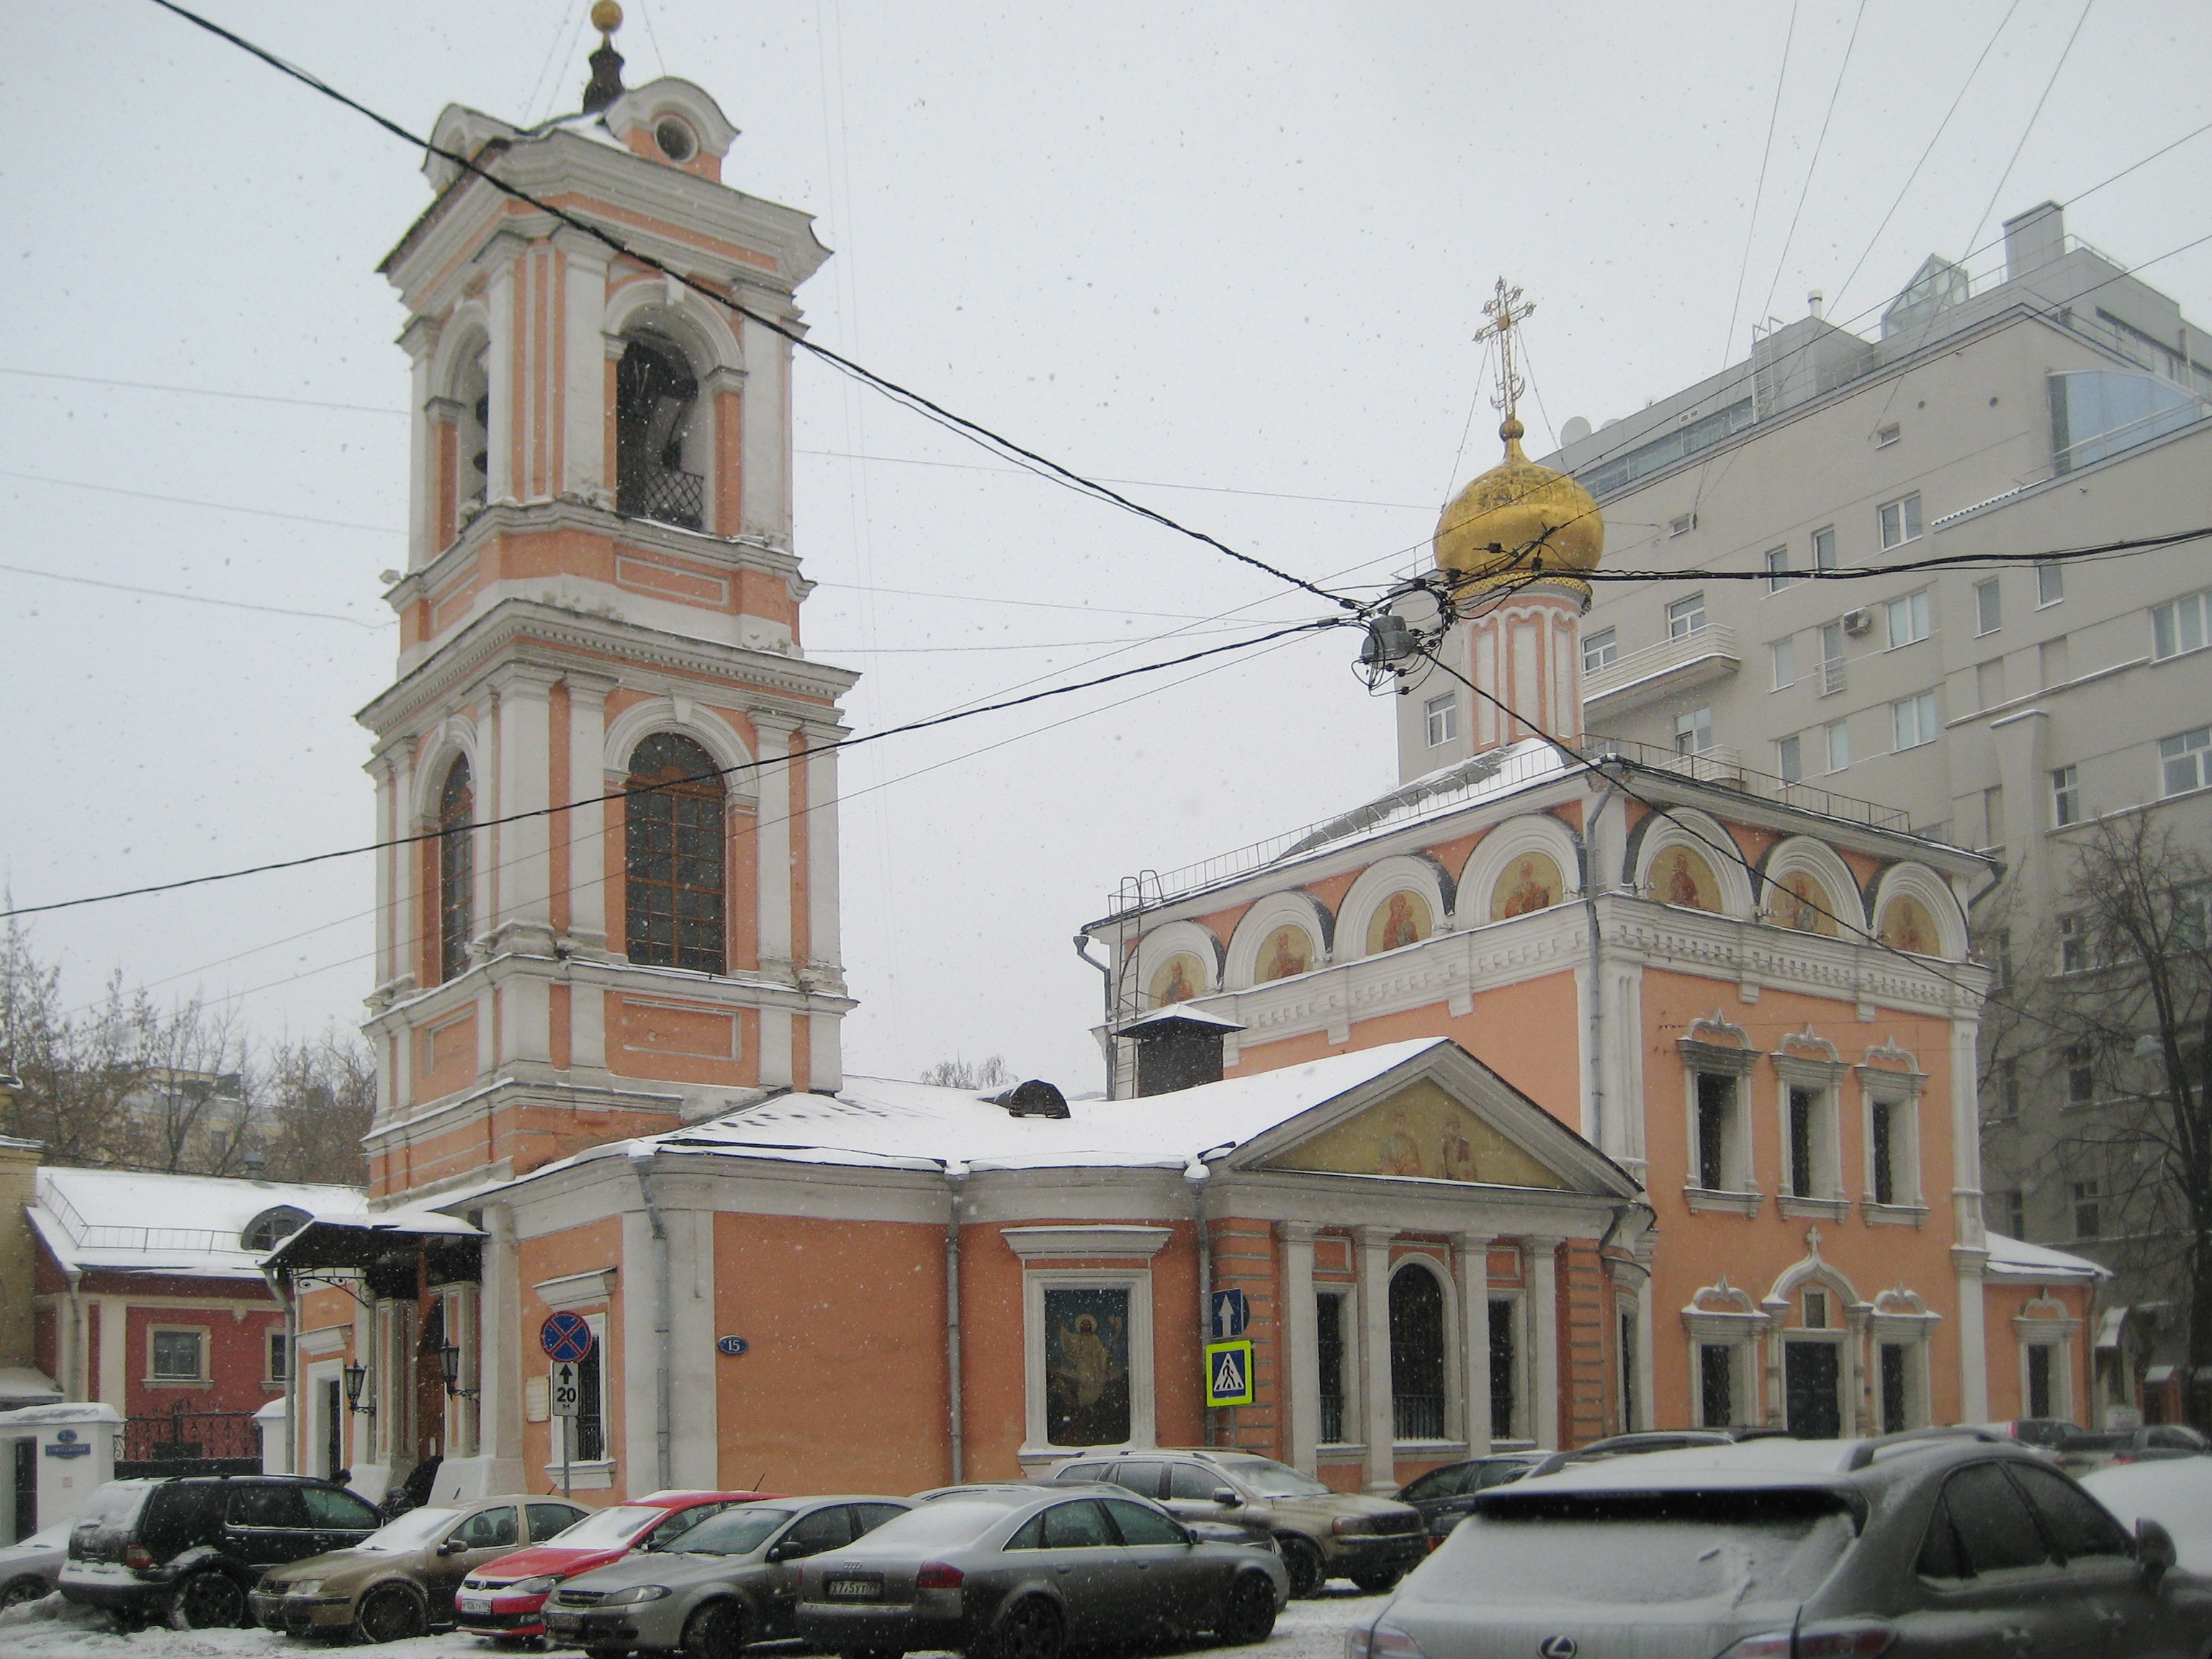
1421 1133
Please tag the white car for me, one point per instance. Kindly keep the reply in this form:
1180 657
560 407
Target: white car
29 1568
2176 1492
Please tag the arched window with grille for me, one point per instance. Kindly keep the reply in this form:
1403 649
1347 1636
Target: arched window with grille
1416 1354
676 876
457 884
660 446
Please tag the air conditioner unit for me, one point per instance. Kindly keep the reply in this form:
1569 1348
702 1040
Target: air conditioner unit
1858 622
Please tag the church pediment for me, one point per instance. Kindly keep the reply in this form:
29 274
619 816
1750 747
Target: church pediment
1422 1133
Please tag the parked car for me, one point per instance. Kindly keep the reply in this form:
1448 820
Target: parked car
1941 1542
1323 1533
1655 1440
2149 1444
191 1549
400 1580
1442 1494
1022 1571
504 1599
729 1580
29 1566
2044 1433
2174 1491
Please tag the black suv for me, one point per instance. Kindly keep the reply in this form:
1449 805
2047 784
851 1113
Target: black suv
193 1546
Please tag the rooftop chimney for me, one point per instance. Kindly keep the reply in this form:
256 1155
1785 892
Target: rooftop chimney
1814 302
2034 239
1177 1048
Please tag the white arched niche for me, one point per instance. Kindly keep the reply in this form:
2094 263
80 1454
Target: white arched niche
1936 899
1161 945
1295 907
1700 834
1800 855
1498 853
1371 894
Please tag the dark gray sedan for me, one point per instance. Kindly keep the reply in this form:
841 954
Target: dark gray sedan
730 1580
1023 1571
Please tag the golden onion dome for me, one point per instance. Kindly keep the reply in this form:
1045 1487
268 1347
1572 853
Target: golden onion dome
1516 519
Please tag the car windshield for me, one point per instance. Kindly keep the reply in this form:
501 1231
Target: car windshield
1271 1480
739 1531
115 1504
1630 1549
612 1526
947 1521
410 1531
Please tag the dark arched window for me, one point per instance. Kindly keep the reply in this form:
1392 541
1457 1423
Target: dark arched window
655 393
1416 1355
674 868
457 881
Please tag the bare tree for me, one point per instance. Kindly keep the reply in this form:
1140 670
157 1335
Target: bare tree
318 1096
192 1113
80 1068
958 1074
2123 1025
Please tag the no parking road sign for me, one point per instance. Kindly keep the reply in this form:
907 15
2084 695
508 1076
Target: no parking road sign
1228 1373
565 1336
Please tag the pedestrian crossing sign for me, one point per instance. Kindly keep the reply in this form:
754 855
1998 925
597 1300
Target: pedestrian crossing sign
1228 1373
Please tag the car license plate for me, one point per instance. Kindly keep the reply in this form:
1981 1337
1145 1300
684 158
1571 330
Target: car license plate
473 1603
564 1621
852 1589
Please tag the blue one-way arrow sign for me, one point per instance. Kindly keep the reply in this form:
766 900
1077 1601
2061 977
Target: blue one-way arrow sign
1228 1312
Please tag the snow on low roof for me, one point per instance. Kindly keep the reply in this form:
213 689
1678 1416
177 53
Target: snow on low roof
887 1123
2016 1255
133 1221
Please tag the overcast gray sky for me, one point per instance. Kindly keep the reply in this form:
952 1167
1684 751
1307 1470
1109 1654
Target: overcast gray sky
1236 250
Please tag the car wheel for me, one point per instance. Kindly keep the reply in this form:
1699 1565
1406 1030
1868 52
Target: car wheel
1303 1562
1374 1583
717 1630
390 1612
1031 1630
1249 1614
209 1601
21 1590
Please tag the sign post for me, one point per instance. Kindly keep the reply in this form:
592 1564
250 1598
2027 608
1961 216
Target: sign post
567 1339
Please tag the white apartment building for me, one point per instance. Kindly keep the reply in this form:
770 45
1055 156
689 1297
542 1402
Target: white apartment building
2056 403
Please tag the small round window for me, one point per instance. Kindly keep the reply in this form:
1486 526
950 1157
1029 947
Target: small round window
674 139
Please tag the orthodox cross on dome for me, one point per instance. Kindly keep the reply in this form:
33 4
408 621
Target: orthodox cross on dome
1506 312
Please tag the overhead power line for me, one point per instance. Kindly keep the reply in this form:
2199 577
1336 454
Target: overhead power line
191 501
194 598
717 772
973 431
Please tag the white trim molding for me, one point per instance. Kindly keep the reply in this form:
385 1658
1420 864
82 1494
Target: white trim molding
1107 1242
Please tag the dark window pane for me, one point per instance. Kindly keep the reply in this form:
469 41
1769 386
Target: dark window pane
1077 1527
1139 1525
675 878
1940 1555
1192 1482
266 1506
1143 1478
2077 1523
1416 1355
1994 1524
456 869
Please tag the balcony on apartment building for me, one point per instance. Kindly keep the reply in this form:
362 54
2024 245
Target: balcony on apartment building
1692 658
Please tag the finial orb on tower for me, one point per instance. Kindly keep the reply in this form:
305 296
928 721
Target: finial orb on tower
1517 519
607 16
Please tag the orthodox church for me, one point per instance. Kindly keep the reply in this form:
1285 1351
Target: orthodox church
1561 1091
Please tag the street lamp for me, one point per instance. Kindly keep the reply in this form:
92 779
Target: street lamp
449 1362
356 1376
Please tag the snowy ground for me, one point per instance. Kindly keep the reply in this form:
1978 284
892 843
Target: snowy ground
1307 1629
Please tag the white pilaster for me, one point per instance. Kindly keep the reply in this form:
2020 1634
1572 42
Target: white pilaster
825 952
115 1350
588 770
766 504
775 731
500 360
1475 1340
1301 1360
1374 1265
522 917
499 1412
696 1450
583 361
1971 1250
1544 1337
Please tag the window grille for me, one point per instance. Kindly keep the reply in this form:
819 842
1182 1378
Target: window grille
676 878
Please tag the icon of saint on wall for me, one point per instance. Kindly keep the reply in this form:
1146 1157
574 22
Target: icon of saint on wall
1459 1153
1401 1154
1907 926
1287 951
1679 876
1086 1366
1802 903
1403 920
1531 883
1176 980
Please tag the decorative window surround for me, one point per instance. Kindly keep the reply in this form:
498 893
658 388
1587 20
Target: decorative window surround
1746 1203
1037 1452
577 1290
1116 1243
1812 1209
597 1476
1893 1215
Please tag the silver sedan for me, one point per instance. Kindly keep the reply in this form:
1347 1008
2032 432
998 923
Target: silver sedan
28 1569
1026 1571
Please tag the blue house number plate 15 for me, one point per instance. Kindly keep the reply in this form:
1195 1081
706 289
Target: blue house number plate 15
731 1345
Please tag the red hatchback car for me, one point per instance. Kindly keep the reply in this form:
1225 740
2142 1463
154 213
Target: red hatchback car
504 1599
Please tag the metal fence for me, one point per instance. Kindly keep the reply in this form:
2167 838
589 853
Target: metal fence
178 1442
